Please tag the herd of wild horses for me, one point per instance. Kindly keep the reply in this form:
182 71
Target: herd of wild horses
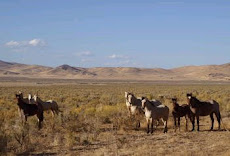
153 110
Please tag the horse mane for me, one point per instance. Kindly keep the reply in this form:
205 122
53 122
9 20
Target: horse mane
40 100
148 101
197 100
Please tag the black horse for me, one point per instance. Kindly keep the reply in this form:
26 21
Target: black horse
29 110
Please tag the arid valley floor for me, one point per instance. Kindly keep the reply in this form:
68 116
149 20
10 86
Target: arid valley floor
94 119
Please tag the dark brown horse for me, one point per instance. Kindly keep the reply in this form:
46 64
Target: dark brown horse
26 110
203 108
180 111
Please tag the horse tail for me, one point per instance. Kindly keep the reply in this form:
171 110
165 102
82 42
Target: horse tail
219 115
222 122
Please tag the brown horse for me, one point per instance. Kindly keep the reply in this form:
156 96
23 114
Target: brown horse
203 108
180 111
47 105
26 110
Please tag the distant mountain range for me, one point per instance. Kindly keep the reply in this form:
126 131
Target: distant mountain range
196 73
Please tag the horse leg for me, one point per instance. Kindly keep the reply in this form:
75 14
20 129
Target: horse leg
26 118
197 121
212 119
147 125
165 125
20 113
218 116
52 111
157 122
40 119
179 123
175 127
57 111
151 121
186 123
129 110
193 122
138 124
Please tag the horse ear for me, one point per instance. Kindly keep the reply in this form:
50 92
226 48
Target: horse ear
126 94
174 99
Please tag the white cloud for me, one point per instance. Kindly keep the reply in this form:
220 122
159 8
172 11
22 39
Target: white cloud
84 53
31 43
36 42
115 56
12 44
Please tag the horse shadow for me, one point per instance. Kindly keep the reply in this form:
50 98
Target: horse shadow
37 154
214 130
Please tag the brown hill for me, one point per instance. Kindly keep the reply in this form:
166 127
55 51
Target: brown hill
206 72
67 71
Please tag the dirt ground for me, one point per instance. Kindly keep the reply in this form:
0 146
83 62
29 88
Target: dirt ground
127 142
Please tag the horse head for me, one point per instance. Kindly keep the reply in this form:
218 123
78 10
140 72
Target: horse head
189 98
19 95
35 97
126 95
143 102
130 98
192 101
29 96
174 101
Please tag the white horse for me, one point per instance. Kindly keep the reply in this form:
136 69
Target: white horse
48 105
134 107
153 112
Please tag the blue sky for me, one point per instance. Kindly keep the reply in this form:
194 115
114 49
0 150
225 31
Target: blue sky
104 33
